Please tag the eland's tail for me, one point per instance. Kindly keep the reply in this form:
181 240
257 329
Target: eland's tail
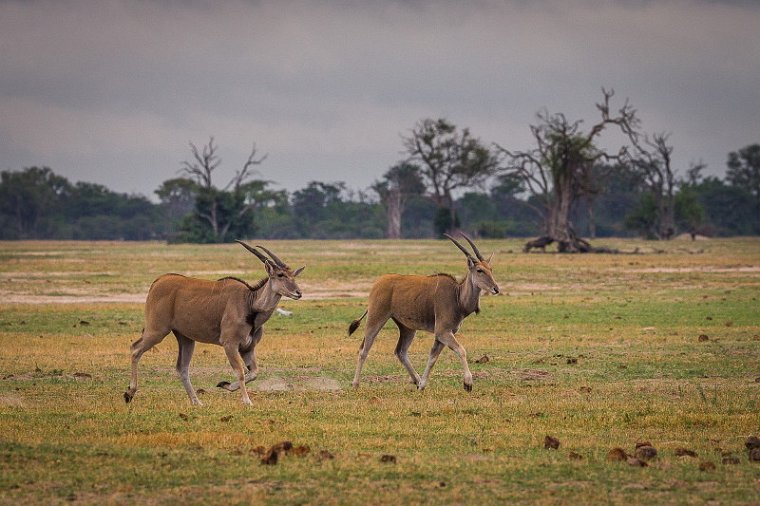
355 324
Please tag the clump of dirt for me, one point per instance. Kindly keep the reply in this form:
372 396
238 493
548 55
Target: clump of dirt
685 452
388 459
551 442
706 465
635 462
703 338
272 455
617 455
752 442
575 456
483 360
277 451
645 452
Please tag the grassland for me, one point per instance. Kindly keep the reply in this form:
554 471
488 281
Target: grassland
599 351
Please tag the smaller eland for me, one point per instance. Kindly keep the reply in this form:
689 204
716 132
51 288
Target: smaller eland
437 304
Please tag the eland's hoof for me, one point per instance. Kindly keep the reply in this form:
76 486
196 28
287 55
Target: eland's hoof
468 387
127 397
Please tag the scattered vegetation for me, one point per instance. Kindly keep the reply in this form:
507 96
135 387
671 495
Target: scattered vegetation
598 353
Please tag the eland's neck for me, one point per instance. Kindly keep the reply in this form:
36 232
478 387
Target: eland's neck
265 299
469 296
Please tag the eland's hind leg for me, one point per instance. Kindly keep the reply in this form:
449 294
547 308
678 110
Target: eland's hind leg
149 339
184 355
435 351
405 338
374 324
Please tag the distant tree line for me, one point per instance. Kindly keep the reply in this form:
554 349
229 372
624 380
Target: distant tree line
563 188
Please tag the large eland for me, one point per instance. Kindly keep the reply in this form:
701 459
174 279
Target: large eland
228 312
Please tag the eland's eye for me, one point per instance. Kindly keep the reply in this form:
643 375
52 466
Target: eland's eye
280 275
480 271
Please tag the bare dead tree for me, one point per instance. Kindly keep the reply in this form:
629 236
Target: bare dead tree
201 168
559 170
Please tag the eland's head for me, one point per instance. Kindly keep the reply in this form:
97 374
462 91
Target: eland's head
480 269
281 277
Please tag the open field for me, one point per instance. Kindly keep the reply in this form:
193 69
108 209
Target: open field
599 351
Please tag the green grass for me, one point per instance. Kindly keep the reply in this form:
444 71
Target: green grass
600 351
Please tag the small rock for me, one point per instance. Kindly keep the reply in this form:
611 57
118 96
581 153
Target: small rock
646 453
685 452
585 390
551 442
226 418
704 337
183 416
272 455
84 323
752 442
706 466
388 459
617 455
482 360
572 360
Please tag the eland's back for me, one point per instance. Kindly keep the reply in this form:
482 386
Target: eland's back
412 300
194 307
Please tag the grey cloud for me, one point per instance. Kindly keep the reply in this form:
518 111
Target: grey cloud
112 91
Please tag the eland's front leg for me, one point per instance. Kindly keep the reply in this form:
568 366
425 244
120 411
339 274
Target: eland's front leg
449 340
236 361
249 358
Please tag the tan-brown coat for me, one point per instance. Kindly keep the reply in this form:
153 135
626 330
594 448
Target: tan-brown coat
436 304
227 312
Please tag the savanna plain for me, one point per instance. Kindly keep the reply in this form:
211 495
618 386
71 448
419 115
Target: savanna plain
597 351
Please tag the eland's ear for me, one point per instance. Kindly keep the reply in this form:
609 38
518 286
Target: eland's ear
269 267
490 258
470 262
299 271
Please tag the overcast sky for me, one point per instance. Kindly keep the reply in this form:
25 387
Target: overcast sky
112 91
